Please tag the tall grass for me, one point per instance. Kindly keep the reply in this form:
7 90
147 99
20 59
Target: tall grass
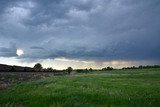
120 88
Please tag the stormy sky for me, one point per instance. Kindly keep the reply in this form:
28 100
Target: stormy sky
80 33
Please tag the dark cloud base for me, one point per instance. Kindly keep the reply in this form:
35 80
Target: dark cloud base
84 29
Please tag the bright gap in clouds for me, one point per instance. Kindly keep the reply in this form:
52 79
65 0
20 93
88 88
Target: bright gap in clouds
63 63
19 52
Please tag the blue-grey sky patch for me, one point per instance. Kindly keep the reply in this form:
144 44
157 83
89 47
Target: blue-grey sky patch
36 47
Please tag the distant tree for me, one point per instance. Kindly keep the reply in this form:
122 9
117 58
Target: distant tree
38 66
134 67
106 69
90 69
50 69
109 68
69 70
80 70
86 70
12 69
156 66
141 67
25 69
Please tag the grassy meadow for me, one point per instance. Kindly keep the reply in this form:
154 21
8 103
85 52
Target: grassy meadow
117 88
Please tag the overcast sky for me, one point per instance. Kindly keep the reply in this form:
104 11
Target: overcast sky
80 33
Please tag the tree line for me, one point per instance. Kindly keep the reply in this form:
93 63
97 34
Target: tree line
39 68
142 67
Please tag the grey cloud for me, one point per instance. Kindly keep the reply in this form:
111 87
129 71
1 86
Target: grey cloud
8 51
36 47
84 29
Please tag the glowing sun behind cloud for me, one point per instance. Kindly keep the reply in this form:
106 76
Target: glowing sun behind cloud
19 52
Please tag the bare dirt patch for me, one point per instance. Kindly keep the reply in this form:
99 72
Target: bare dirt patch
9 78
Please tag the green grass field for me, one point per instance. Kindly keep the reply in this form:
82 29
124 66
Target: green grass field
118 88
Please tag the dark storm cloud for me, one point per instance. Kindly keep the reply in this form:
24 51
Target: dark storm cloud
8 51
82 29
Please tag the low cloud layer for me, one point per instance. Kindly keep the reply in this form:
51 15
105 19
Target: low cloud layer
99 30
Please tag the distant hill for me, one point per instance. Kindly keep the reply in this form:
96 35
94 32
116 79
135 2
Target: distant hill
9 68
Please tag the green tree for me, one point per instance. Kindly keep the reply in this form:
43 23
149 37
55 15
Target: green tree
38 66
50 69
90 69
109 68
69 70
